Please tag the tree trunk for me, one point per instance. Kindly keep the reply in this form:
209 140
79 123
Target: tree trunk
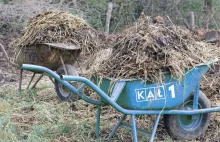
108 16
192 21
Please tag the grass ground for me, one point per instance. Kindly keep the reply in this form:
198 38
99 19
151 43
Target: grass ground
37 115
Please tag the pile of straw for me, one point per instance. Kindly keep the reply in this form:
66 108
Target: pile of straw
145 50
210 84
59 27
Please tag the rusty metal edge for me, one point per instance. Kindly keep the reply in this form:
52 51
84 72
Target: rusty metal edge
62 46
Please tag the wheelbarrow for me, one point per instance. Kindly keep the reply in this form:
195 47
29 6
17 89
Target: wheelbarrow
186 109
58 57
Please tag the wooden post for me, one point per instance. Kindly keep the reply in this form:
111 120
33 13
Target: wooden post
192 20
108 16
20 81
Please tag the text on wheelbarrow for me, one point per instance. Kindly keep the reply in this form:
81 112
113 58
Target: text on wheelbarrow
155 93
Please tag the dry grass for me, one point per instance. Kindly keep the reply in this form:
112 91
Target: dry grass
37 115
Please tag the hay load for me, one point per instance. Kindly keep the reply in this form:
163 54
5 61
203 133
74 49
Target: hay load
210 85
145 50
59 27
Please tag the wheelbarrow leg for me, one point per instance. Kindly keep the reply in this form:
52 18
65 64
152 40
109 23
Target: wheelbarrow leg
39 78
20 81
195 100
196 97
116 127
134 129
31 80
51 79
97 121
155 128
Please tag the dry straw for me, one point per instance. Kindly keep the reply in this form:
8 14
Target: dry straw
146 50
143 50
59 27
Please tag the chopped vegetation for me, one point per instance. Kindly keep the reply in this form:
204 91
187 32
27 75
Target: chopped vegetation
59 27
147 49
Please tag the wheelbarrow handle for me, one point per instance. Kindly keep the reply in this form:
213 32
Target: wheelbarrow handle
51 73
102 94
95 88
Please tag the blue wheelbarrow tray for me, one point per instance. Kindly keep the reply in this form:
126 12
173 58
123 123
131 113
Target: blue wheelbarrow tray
140 95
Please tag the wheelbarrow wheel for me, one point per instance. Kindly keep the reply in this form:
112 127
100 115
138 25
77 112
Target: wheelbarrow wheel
63 93
182 127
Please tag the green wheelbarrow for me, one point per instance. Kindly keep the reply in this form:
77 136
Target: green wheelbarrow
185 108
58 57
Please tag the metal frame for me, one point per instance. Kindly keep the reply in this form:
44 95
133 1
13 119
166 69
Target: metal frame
39 78
34 85
63 79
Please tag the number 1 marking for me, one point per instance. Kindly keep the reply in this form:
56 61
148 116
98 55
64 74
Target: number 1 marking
171 88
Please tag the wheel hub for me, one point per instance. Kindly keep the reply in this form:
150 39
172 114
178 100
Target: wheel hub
189 122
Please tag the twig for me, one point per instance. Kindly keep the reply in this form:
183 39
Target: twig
7 58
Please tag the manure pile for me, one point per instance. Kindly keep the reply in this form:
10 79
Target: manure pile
145 50
59 27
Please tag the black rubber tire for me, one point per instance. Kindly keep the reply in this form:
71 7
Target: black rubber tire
177 132
68 95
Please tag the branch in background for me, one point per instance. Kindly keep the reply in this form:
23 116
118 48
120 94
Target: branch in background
211 16
207 6
147 6
177 2
108 16
184 20
61 3
7 58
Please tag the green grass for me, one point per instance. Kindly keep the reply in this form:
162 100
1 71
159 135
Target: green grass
37 115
